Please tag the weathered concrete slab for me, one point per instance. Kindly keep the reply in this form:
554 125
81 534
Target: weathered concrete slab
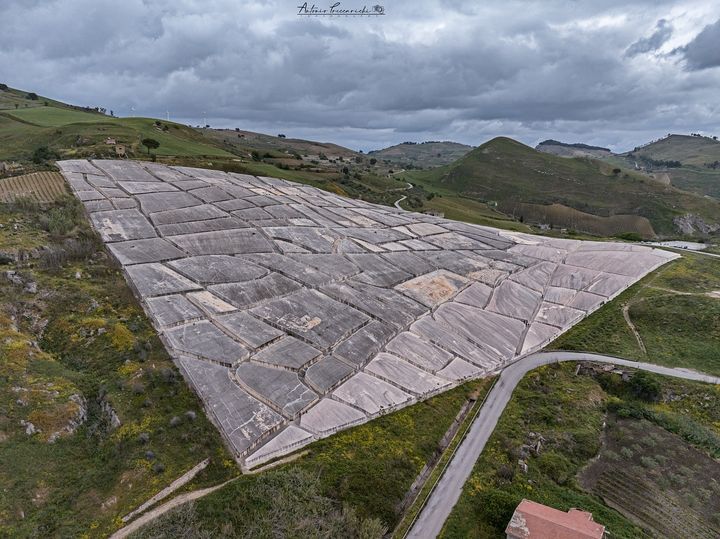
215 269
401 373
204 340
413 349
210 303
357 349
184 215
329 416
243 419
157 280
372 395
172 310
143 251
460 370
515 300
496 333
327 373
290 438
192 227
313 316
295 313
156 202
433 288
385 304
223 242
138 188
287 353
247 294
278 388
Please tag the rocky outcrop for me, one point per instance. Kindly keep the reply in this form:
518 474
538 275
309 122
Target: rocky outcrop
692 224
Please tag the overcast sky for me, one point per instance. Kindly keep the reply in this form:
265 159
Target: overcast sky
611 72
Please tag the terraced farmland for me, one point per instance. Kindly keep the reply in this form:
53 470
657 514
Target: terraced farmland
657 480
41 187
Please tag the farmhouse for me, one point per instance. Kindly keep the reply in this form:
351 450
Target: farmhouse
110 141
533 520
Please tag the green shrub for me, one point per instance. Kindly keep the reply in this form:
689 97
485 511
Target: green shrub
556 466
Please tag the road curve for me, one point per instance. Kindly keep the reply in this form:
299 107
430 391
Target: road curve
447 492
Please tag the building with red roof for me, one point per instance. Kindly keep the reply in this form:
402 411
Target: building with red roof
533 520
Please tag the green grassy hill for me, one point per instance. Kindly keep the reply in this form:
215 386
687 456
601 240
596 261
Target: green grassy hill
508 175
66 131
422 155
699 158
688 150
73 132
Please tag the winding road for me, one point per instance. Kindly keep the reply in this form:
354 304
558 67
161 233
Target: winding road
399 200
447 491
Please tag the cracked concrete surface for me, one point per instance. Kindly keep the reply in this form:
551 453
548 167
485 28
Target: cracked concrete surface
295 313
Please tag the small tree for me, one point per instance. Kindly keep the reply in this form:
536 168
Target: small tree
32 96
3 87
150 144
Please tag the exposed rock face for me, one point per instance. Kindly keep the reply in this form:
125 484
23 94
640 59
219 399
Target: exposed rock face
694 224
74 423
295 313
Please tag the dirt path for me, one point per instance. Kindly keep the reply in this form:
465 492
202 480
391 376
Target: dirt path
164 493
638 338
164 508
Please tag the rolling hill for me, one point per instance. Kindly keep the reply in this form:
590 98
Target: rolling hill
690 162
524 183
29 123
689 150
422 155
564 149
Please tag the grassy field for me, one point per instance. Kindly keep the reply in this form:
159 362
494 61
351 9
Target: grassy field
703 181
689 150
676 320
56 117
573 416
87 391
472 211
367 469
507 174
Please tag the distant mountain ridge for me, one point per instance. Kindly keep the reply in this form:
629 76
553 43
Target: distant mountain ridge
422 154
580 145
546 188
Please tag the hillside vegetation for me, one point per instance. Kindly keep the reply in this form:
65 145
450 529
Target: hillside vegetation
508 174
422 155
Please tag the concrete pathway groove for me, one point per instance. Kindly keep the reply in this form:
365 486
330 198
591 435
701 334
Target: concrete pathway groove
447 492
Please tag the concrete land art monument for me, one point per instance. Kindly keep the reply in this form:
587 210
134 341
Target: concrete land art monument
295 313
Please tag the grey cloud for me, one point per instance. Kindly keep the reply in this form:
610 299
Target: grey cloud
703 52
663 32
445 69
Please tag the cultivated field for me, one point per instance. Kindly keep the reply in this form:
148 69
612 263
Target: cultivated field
39 186
657 479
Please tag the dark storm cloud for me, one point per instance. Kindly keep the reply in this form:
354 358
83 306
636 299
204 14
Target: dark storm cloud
445 69
704 51
663 31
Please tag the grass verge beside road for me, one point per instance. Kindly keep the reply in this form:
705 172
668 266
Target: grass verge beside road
557 423
674 315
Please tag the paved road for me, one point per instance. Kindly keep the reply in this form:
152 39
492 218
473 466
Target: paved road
448 490
399 200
